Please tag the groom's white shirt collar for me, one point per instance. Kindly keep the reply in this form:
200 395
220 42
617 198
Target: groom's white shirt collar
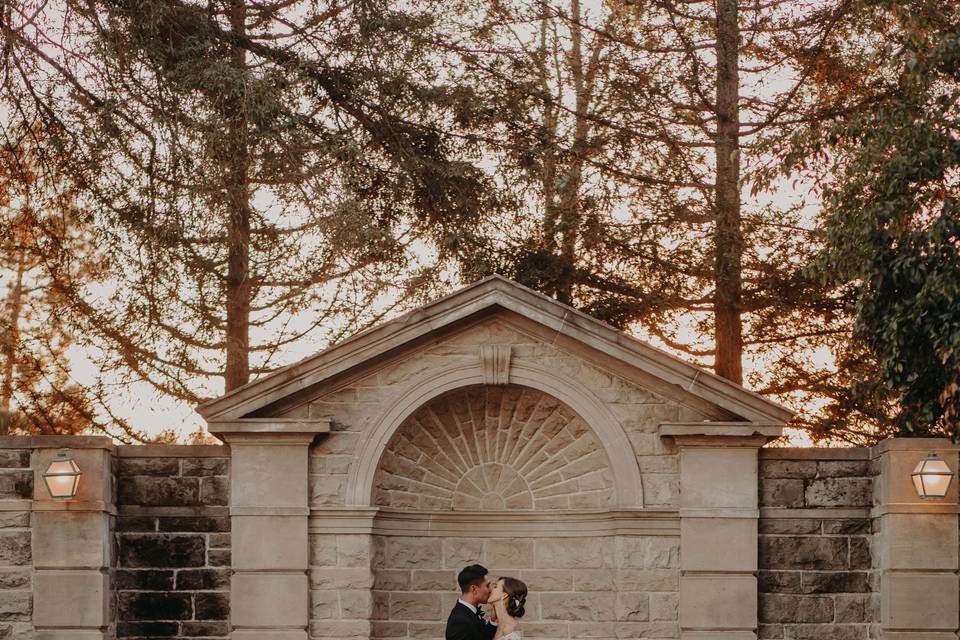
467 605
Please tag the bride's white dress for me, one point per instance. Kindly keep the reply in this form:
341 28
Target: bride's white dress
513 635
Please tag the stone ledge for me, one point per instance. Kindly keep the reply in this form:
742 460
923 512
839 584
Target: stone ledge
173 451
719 429
825 513
57 442
815 453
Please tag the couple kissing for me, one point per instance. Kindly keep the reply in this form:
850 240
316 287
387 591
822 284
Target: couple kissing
506 597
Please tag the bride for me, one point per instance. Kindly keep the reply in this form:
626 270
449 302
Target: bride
508 599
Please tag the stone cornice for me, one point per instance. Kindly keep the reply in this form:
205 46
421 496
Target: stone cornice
484 296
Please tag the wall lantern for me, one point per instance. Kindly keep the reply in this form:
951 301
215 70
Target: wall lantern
62 477
932 477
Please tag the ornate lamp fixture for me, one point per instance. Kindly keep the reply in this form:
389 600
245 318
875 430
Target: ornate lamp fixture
932 477
62 477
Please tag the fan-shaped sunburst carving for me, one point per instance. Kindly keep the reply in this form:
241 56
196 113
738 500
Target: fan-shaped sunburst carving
492 449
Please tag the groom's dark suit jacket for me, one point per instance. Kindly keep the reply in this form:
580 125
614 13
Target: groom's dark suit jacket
464 624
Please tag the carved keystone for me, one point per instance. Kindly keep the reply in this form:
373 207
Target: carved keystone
495 360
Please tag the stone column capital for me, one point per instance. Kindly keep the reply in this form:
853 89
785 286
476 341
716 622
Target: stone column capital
267 431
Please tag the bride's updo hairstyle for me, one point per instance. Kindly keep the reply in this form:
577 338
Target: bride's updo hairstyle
516 592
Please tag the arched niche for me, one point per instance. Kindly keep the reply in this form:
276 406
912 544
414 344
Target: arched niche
604 430
494 448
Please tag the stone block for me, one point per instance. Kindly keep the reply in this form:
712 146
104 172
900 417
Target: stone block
803 552
153 628
718 477
848 526
68 539
269 542
17 484
517 554
580 607
860 554
789 526
435 580
151 491
781 493
718 544
413 553
196 524
269 600
323 550
14 579
14 458
460 552
570 553
919 541
71 599
648 579
414 606
664 606
16 606
782 608
215 491
161 550
648 552
203 579
717 635
358 604
396 579
839 492
718 602
205 629
919 601
66 634
354 550
843 468
143 580
835 582
268 475
14 548
779 581
153 605
206 466
594 580
164 467
853 609
212 605
788 469
218 557
340 578
539 581
324 605
14 519
633 606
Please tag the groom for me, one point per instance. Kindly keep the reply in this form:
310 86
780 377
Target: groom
465 621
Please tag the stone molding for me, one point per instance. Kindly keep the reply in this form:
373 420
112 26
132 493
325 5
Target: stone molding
490 294
628 485
560 524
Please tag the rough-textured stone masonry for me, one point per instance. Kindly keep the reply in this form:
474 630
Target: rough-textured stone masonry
172 575
816 577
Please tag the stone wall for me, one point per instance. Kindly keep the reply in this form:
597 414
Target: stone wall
598 587
816 577
172 535
16 491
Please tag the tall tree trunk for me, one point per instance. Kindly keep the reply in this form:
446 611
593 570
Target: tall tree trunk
237 371
11 336
728 239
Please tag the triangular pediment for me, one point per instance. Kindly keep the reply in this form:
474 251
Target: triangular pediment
488 297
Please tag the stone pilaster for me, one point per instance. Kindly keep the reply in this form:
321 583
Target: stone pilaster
71 543
719 508
916 547
269 508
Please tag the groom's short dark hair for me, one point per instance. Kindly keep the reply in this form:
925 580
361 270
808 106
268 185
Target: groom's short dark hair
474 574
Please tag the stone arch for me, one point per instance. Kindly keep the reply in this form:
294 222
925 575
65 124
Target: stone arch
627 490
494 448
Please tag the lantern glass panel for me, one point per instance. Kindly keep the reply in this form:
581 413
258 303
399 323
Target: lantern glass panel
62 477
932 477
